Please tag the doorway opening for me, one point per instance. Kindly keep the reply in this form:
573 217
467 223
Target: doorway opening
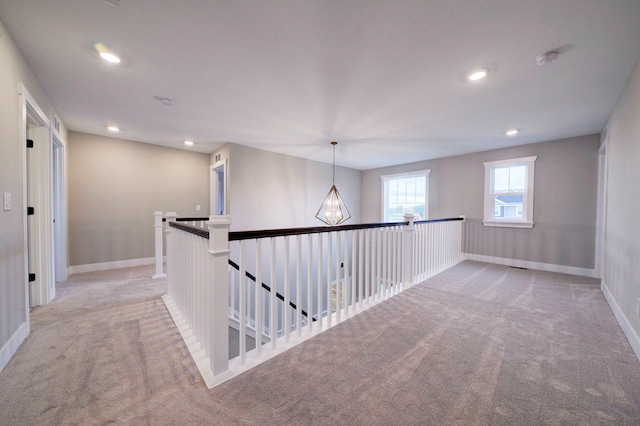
218 191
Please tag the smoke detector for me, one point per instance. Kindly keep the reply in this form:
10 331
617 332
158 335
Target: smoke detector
165 101
546 58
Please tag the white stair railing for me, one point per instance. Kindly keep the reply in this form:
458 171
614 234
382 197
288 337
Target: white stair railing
290 284
159 231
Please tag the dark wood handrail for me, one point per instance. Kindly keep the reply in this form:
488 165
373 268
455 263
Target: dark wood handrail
188 219
272 233
201 232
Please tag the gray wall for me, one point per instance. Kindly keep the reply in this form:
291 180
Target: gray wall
269 190
114 188
13 71
566 174
622 259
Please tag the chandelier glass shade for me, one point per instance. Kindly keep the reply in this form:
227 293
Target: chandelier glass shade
333 211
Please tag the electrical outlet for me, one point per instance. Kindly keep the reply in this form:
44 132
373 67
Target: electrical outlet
198 207
7 201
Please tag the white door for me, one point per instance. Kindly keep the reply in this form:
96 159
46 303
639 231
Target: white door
37 195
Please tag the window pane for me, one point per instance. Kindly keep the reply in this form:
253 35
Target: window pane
393 191
501 180
406 194
516 178
508 207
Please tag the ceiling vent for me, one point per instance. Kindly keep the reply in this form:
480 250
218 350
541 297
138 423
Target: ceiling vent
546 58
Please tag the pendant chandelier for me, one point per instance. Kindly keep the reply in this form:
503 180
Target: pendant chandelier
333 211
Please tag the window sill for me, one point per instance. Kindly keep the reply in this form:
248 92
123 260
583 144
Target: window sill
527 225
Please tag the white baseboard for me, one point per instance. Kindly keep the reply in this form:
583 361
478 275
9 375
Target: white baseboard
622 319
13 344
549 267
105 266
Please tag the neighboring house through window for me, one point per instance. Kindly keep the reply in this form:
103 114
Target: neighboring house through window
405 193
508 188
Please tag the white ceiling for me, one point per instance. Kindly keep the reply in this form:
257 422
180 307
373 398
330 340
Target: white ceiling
386 79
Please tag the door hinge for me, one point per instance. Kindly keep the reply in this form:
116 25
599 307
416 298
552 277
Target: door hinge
29 143
31 211
32 277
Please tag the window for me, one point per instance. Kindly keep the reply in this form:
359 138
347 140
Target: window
508 199
405 193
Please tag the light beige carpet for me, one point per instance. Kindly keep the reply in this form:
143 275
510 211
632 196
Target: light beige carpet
476 345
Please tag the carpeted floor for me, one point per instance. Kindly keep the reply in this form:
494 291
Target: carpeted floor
476 345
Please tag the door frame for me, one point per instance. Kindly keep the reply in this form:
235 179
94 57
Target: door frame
601 215
59 207
218 188
41 241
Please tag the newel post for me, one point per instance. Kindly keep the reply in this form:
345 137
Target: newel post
157 224
407 251
218 295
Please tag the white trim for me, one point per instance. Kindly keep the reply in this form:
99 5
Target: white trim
521 160
12 345
528 195
105 266
59 207
507 224
549 267
601 213
623 321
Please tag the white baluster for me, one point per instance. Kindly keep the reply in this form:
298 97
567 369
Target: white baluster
353 267
361 267
298 322
258 294
338 279
319 286
348 279
329 278
273 323
242 298
310 282
366 264
286 307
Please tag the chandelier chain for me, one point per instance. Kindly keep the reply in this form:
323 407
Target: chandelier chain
334 164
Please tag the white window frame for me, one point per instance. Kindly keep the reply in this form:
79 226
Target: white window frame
527 195
385 195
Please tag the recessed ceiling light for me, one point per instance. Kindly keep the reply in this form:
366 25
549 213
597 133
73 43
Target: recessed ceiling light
188 143
113 129
110 57
512 132
478 74
106 53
